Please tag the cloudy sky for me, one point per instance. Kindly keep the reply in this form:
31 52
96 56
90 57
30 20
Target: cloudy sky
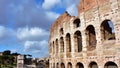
24 24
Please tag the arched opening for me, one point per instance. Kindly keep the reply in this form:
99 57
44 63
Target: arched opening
76 23
61 31
57 66
93 65
53 65
110 65
53 48
68 43
107 30
91 38
61 45
79 65
69 65
62 65
57 46
78 41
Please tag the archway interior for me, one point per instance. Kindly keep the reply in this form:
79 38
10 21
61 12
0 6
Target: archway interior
110 65
69 65
93 65
57 46
68 43
62 65
79 65
57 65
62 45
107 30
76 23
53 48
91 37
61 31
78 41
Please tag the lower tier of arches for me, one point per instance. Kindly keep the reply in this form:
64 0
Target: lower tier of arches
89 62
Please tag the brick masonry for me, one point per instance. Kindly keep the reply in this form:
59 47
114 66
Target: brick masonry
90 12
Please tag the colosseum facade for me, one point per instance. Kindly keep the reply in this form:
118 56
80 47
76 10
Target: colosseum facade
90 40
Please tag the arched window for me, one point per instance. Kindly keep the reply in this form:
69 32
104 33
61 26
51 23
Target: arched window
61 44
76 23
62 65
69 65
93 65
57 47
91 37
53 48
78 41
107 30
57 65
61 31
68 43
110 65
53 65
79 65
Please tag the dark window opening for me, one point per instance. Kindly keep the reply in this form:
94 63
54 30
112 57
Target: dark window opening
62 65
93 65
61 31
69 65
76 23
91 37
79 65
57 46
107 30
68 43
110 65
62 44
78 41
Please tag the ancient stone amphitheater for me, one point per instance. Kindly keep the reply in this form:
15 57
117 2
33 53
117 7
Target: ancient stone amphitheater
90 40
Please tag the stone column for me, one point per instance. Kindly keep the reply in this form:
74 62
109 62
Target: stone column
84 43
64 39
72 45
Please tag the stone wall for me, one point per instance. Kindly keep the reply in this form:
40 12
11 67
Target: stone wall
99 30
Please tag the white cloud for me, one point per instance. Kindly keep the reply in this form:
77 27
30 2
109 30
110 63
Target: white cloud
36 46
48 4
52 15
6 33
32 34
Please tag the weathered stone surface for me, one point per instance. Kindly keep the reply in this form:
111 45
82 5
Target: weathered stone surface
92 39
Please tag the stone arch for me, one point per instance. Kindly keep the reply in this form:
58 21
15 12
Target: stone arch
61 45
69 65
93 65
62 65
90 37
110 65
68 42
53 47
57 65
61 31
57 47
79 65
107 30
53 65
78 41
76 23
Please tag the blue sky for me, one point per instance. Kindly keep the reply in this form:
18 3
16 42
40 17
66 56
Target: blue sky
24 24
